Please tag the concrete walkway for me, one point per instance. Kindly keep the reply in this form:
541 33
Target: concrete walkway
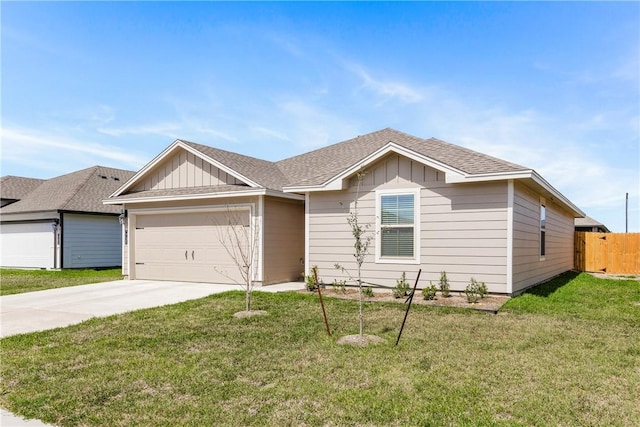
55 308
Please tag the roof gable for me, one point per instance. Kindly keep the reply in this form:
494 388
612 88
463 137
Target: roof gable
80 191
236 169
347 157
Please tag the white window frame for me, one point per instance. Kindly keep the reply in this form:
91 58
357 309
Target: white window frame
415 192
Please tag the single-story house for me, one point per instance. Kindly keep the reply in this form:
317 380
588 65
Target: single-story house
589 224
428 204
61 222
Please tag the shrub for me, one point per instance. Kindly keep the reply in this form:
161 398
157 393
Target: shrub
367 291
340 285
429 293
482 290
310 280
445 289
402 287
473 291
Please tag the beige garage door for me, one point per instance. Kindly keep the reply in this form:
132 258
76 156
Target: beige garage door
188 246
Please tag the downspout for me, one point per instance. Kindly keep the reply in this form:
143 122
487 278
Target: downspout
56 227
307 269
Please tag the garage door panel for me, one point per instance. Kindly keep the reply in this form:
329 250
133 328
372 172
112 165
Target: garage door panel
26 245
163 240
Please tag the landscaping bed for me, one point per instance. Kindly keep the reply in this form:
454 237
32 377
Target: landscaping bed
490 303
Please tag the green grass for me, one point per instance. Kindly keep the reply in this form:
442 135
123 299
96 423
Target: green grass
14 281
193 364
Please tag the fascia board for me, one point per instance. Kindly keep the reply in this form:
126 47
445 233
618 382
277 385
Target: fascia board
248 193
252 192
219 165
500 176
558 195
336 183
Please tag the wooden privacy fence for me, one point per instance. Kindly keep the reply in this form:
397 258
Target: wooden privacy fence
613 253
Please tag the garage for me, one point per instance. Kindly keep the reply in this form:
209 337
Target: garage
189 246
29 244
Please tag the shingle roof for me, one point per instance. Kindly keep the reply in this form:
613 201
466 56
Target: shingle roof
261 172
589 222
212 189
81 191
316 167
16 187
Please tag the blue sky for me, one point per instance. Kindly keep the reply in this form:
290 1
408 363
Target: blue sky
552 86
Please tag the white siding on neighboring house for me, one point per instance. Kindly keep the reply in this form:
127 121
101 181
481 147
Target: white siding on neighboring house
28 244
463 227
91 241
184 170
529 268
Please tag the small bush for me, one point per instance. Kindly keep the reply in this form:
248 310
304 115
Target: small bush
429 293
402 287
367 291
445 289
310 280
340 286
473 291
482 290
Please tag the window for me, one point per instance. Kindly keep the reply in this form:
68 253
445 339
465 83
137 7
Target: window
543 229
397 218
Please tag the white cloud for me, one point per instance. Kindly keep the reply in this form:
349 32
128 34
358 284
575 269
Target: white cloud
386 89
24 149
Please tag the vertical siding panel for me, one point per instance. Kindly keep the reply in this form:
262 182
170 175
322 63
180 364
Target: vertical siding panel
92 241
199 173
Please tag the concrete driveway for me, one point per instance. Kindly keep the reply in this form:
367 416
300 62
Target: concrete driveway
53 308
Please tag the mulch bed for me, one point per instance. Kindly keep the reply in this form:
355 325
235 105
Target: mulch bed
491 303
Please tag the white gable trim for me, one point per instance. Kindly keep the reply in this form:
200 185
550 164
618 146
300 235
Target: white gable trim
169 151
220 195
339 182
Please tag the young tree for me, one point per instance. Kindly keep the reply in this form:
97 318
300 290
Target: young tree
362 239
240 238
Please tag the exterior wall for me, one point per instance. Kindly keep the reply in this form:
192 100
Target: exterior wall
463 228
185 170
91 241
283 240
528 267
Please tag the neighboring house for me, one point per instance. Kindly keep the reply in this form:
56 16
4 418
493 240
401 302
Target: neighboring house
61 222
14 188
430 205
589 224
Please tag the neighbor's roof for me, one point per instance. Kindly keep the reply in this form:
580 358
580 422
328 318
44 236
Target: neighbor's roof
17 187
319 166
81 191
589 222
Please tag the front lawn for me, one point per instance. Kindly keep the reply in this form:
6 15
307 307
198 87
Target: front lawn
194 364
15 281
